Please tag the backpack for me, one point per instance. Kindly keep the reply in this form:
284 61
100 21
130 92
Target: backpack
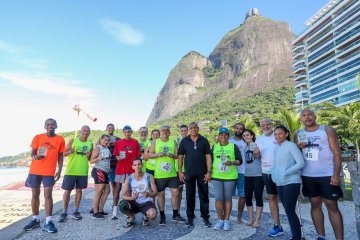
132 176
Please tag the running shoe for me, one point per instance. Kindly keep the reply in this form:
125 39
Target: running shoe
98 216
63 217
115 212
226 225
207 222
92 211
50 227
291 236
76 215
104 213
32 225
219 225
190 222
277 231
321 238
178 219
162 221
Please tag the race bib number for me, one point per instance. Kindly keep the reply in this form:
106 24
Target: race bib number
223 168
310 154
42 151
223 157
141 188
166 167
153 163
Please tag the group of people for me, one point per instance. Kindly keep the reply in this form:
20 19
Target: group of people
143 168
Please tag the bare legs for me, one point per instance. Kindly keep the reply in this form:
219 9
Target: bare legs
334 216
223 209
179 198
99 188
116 193
274 208
241 205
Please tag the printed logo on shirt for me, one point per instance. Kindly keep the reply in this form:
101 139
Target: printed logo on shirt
275 142
128 148
48 146
311 143
249 157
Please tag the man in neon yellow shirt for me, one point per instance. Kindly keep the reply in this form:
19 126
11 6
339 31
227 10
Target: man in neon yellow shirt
78 151
143 142
164 151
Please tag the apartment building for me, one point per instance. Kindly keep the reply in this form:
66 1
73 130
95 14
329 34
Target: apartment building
326 55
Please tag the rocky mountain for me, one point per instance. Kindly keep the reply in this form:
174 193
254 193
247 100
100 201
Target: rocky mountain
252 58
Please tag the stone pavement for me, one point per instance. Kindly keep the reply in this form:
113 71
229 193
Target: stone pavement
87 228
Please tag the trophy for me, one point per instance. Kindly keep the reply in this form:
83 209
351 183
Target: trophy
122 154
223 157
224 123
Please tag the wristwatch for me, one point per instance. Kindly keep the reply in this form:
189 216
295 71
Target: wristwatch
209 171
231 163
156 155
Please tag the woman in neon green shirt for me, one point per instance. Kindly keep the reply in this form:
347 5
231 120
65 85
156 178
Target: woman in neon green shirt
226 156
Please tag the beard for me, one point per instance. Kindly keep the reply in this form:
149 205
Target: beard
238 135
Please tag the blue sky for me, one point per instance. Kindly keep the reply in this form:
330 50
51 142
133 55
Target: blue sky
112 56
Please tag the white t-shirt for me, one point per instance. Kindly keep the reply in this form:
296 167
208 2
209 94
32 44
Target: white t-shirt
266 146
241 144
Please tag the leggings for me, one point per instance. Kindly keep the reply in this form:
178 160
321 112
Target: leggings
254 185
288 195
223 190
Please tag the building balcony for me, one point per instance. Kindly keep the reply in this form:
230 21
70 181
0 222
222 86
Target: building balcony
319 34
300 76
319 21
304 90
299 61
304 100
301 83
298 47
299 69
298 54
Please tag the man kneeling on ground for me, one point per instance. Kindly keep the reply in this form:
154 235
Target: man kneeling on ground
143 189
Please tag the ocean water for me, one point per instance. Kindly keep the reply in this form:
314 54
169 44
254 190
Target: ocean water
10 175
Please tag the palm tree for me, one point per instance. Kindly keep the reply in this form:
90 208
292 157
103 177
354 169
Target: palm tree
249 124
290 119
347 117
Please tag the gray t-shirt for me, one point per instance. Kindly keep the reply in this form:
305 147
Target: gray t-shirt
252 166
103 165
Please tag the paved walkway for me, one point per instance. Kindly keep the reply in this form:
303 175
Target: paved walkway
87 228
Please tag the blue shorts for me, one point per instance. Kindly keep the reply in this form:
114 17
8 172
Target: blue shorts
34 181
112 175
70 182
240 185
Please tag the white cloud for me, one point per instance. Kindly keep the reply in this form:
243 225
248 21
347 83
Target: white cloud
34 63
4 85
9 47
122 32
49 84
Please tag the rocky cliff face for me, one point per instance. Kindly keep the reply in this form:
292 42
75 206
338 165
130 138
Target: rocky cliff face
256 55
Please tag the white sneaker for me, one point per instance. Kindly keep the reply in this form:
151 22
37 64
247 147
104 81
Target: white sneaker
115 212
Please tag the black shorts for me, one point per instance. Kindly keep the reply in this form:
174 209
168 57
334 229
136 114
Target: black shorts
269 184
143 208
320 186
162 183
70 182
152 172
100 177
34 181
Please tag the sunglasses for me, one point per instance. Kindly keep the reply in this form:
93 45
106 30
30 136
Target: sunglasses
165 130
